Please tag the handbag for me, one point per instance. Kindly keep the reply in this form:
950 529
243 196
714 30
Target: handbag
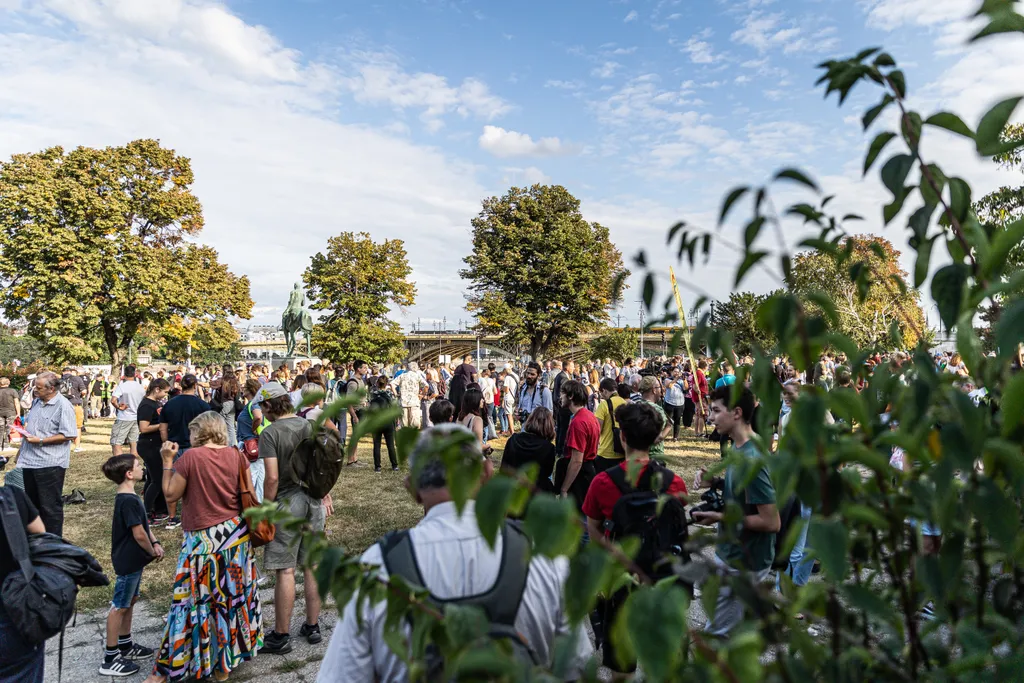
251 447
616 441
260 533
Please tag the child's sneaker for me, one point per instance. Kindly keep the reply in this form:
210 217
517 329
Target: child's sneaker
137 652
311 632
173 523
119 666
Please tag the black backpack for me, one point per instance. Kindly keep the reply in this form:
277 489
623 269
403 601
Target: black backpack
500 602
662 535
67 389
317 462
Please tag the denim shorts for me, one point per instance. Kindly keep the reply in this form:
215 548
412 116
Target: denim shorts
927 528
126 589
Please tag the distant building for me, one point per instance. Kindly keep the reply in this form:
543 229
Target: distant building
260 333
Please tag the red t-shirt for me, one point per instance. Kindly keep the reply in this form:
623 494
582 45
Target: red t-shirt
212 493
604 494
584 434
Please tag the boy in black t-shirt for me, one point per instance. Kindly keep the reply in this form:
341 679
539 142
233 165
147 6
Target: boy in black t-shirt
132 547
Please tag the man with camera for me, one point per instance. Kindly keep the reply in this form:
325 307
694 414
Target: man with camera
533 394
750 545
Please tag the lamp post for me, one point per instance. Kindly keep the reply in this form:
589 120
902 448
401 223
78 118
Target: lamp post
640 301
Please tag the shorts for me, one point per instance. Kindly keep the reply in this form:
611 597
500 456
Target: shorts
126 590
79 416
124 431
287 550
927 528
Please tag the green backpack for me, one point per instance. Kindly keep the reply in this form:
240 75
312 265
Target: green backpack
317 462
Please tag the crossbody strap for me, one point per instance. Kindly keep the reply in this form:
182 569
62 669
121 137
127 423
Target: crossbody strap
611 412
17 539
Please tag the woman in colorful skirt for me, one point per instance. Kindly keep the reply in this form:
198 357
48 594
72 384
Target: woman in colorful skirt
215 621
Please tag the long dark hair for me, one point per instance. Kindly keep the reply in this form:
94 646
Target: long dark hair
229 389
471 403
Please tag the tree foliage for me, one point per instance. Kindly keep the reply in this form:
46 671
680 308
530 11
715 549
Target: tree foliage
615 344
859 621
94 245
539 273
214 341
738 316
869 305
356 282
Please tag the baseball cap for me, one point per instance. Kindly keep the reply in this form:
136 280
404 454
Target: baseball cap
272 390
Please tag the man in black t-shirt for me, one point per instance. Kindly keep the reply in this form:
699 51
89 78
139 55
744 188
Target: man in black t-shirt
179 412
148 416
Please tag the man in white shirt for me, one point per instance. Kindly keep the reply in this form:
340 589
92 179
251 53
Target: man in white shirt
488 386
127 397
454 562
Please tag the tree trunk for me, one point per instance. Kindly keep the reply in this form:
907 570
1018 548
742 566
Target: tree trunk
117 357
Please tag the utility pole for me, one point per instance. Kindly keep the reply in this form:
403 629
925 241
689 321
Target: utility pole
641 302
618 320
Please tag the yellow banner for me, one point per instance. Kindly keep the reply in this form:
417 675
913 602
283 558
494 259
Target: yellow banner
686 337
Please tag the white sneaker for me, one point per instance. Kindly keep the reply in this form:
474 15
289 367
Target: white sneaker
78 450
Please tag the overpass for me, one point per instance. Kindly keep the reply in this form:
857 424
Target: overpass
423 346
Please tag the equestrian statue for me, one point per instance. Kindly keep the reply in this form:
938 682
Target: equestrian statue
297 319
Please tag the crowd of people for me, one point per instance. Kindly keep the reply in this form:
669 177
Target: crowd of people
200 438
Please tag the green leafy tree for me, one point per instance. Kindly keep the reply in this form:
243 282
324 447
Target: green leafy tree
539 273
94 248
738 316
868 306
205 341
860 621
615 344
20 347
356 281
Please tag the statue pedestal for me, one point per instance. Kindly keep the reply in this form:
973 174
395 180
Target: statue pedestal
292 361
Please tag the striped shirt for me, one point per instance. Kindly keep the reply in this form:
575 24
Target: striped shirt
45 419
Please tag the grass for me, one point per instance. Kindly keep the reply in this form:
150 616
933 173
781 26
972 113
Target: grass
366 506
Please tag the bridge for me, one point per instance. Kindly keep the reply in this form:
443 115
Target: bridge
428 346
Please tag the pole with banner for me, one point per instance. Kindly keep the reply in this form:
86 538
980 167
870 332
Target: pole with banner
686 338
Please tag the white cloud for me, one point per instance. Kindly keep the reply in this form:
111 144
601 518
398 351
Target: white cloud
699 51
632 16
741 79
531 175
509 143
563 85
278 168
606 70
764 32
889 15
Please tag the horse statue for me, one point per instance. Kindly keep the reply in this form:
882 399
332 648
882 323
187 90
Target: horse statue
297 319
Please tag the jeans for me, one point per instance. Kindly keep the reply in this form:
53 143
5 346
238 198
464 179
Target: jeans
258 472
153 493
20 661
800 565
44 487
489 431
675 417
503 417
389 437
729 608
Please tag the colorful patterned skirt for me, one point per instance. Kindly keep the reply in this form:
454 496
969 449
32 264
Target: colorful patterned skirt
215 621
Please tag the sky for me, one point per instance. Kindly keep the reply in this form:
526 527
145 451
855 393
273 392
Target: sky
304 119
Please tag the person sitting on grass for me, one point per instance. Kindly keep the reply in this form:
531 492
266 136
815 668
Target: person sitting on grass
132 547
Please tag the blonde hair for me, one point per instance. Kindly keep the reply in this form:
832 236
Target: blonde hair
208 427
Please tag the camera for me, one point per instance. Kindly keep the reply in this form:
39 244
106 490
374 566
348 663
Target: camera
713 500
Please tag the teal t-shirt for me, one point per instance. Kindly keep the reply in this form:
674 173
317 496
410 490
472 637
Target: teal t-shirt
756 550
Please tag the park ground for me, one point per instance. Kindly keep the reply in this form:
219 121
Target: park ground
366 505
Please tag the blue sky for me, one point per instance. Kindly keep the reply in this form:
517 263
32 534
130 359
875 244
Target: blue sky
307 118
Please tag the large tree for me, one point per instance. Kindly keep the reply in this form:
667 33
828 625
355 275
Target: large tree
357 281
738 316
869 321
94 248
615 344
539 273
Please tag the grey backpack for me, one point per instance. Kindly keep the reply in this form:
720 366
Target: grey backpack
500 602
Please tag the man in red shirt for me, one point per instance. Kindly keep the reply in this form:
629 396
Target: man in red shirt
639 427
575 470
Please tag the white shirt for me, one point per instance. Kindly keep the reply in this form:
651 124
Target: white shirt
454 561
130 393
508 400
488 387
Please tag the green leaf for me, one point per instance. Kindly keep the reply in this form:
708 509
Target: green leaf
947 290
868 601
1003 242
1012 405
1004 22
749 261
590 571
405 440
797 177
830 540
959 198
373 420
491 504
877 145
891 210
899 82
950 122
884 59
1010 329
648 290
871 114
991 508
657 649
990 128
752 230
734 196
895 171
924 257
553 524
865 53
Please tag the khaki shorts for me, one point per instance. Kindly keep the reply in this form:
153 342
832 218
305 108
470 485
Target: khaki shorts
287 551
124 432
79 417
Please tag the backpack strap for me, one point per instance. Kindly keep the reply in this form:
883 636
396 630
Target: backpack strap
618 477
611 412
399 558
17 539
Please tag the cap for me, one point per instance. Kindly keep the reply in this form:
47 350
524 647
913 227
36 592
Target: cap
272 390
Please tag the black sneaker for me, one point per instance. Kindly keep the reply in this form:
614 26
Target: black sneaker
173 522
311 632
137 652
119 666
377 470
394 469
277 644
